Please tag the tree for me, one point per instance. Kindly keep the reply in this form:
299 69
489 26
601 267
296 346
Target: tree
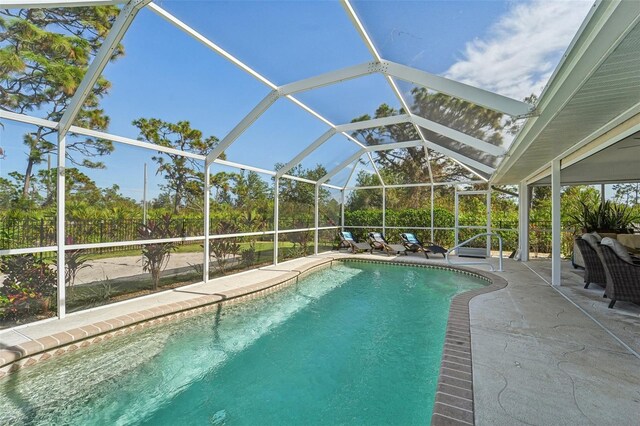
44 56
184 175
365 198
629 193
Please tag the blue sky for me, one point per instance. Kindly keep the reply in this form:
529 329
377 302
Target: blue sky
507 46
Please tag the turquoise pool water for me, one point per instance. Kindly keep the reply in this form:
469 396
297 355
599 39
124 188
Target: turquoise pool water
355 344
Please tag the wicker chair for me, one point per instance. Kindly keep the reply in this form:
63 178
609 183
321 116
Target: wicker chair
594 271
623 278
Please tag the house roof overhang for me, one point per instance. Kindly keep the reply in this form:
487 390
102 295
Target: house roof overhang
595 90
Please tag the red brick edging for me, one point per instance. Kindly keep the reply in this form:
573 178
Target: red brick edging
454 404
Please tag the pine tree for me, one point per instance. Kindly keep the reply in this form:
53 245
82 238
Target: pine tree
44 56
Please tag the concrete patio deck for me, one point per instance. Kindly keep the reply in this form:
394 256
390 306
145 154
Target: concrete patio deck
538 357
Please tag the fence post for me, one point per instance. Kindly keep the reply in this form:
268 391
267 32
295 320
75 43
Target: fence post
101 234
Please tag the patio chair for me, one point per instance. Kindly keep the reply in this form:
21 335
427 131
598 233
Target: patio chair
347 240
378 242
593 269
413 244
436 249
623 277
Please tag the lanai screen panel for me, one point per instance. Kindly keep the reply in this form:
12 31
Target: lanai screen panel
411 32
281 132
387 134
349 100
478 43
35 198
240 201
446 170
330 154
359 173
403 166
487 127
167 75
283 41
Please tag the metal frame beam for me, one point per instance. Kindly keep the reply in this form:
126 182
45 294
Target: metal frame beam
102 58
375 169
376 122
341 166
460 158
459 136
235 133
60 228
413 185
211 45
40 4
329 78
395 145
308 150
484 98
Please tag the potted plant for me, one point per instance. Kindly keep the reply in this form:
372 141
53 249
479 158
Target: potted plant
605 217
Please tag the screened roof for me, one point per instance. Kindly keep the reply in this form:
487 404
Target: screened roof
353 86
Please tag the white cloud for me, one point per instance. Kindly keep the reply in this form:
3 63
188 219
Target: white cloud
521 50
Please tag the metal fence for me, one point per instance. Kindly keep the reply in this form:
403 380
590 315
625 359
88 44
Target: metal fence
24 233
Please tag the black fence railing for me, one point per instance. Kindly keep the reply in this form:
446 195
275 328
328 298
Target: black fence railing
25 233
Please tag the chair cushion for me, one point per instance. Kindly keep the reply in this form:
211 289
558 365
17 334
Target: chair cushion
598 236
411 238
592 240
347 236
618 248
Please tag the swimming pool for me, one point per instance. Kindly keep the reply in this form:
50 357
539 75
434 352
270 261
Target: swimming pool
358 343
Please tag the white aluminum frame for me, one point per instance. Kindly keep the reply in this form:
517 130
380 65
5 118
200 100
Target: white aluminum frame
389 70
556 225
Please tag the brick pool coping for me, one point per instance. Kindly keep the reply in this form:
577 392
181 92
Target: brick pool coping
454 404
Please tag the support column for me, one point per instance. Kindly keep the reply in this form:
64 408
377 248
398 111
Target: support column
489 230
317 220
556 225
457 221
61 232
207 231
523 222
384 210
342 212
432 221
276 196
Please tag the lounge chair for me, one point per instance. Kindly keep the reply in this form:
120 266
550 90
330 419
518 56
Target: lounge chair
431 247
413 244
378 242
347 240
623 277
593 269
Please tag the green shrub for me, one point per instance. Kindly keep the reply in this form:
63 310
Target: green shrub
29 286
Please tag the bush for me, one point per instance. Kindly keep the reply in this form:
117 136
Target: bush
28 288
